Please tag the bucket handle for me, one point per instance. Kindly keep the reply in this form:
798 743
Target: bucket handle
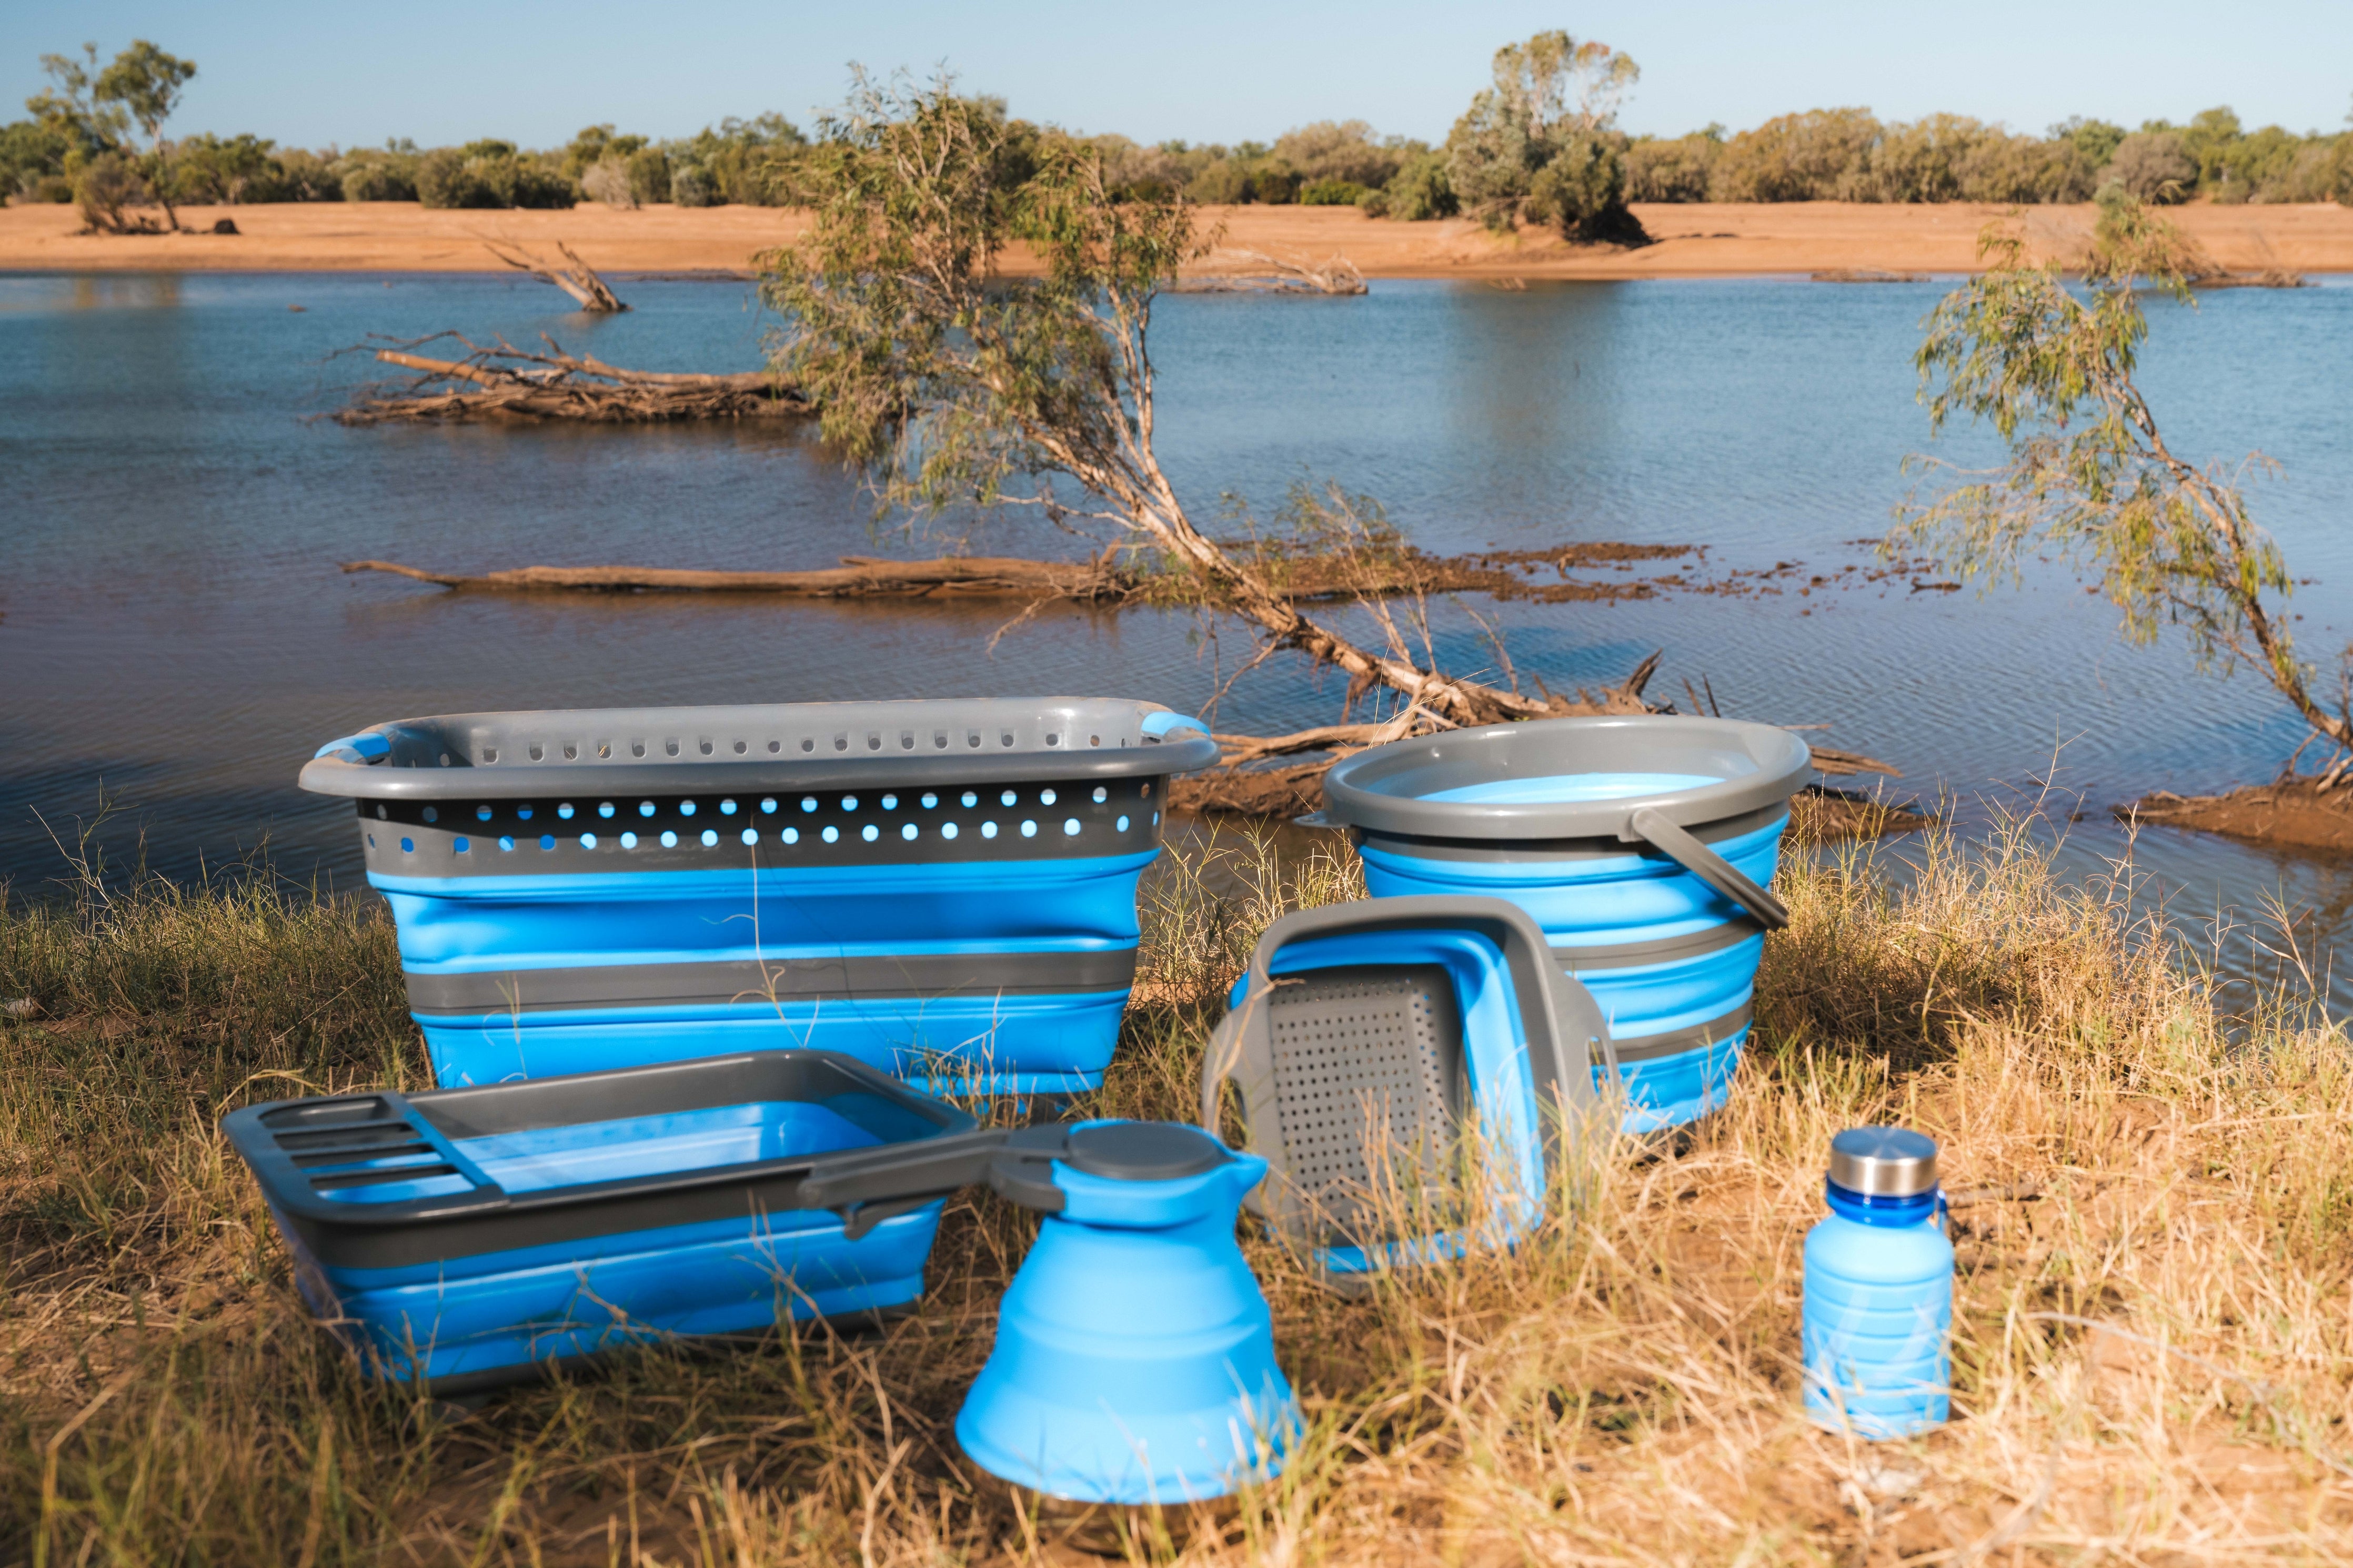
1651 825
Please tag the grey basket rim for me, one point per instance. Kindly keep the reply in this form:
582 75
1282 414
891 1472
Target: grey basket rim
341 773
1351 799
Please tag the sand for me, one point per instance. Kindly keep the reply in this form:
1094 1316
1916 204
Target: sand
1693 241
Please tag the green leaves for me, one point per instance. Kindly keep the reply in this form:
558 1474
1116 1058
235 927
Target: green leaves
944 381
2051 367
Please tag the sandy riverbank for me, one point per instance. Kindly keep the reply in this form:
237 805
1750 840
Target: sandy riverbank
1693 241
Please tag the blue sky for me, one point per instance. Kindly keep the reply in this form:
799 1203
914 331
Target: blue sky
313 73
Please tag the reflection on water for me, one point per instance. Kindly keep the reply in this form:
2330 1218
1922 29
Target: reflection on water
172 620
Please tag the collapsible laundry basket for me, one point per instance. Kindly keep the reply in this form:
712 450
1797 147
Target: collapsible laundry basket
1366 1040
943 889
463 1237
1644 846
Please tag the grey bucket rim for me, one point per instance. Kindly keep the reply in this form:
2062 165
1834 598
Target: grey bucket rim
339 770
1783 762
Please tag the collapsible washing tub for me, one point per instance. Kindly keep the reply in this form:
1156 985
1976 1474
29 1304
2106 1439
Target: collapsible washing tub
1367 1041
943 889
1644 846
464 1237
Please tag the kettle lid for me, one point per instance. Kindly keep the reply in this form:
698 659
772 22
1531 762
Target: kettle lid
1143 1150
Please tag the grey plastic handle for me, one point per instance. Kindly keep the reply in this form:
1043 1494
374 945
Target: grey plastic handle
1651 825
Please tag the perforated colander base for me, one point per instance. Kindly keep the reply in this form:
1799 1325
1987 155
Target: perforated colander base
1367 1064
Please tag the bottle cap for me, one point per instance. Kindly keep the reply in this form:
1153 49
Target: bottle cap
1883 1162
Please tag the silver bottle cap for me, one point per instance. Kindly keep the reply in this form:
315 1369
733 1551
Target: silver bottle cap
1883 1162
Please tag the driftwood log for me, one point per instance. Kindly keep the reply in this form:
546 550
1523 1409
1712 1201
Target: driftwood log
1337 275
1239 787
507 383
858 576
1505 575
578 279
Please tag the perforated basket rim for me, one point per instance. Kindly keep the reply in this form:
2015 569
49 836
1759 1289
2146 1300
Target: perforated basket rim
450 756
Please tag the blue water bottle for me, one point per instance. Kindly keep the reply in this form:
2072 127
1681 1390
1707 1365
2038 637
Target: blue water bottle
1879 1289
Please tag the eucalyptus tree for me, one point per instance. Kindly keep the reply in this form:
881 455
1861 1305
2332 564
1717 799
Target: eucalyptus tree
2089 474
145 82
1542 141
950 386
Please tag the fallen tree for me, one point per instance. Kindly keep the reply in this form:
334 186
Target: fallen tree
949 386
858 576
1241 785
579 279
1505 575
1273 275
502 382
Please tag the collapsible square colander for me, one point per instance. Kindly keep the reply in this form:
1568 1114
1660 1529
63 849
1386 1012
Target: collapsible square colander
1416 1071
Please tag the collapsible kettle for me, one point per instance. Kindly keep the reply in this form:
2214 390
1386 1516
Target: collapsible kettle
1135 1356
1879 1289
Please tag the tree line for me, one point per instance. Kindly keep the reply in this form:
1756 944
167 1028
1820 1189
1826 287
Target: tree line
1540 145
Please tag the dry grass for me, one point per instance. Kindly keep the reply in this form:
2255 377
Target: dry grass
2154 1340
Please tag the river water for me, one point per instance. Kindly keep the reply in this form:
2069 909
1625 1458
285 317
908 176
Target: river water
174 627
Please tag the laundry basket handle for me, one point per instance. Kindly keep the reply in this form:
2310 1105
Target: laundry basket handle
1650 824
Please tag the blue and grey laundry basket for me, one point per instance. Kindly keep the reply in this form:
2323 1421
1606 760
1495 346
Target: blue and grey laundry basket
945 890
467 1237
1643 845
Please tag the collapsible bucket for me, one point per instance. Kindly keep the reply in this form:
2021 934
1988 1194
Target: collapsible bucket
1644 846
1368 1040
943 889
466 1237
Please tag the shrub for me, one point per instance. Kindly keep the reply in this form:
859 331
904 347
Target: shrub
1273 182
2322 170
753 162
228 171
32 161
592 146
1581 189
1221 184
1658 170
1420 190
691 185
2152 165
1341 152
1919 161
2014 169
1330 193
2257 168
1489 160
380 180
306 177
1815 156
533 184
107 185
650 174
443 181
489 174
607 181
2095 139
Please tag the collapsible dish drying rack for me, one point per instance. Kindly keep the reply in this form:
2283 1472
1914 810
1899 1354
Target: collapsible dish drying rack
464 1237
944 889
